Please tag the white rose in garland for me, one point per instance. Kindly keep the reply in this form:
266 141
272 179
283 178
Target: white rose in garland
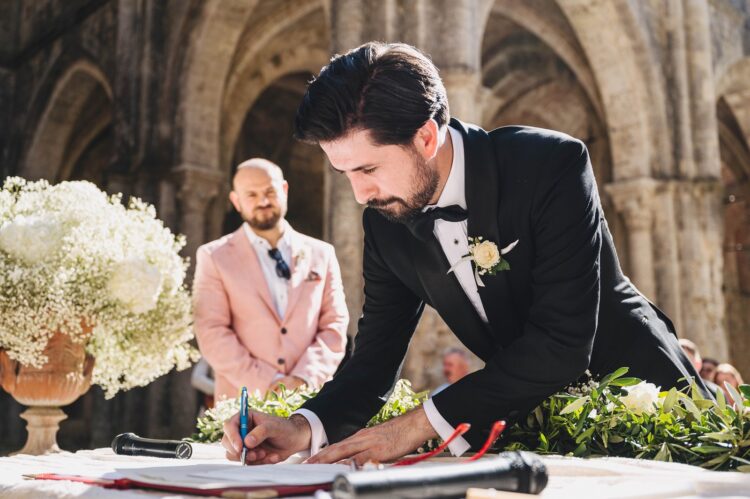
641 398
69 253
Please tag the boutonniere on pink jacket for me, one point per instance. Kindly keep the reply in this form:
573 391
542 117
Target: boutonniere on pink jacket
313 276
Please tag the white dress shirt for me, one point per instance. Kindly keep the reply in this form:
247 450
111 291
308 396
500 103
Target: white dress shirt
453 238
278 286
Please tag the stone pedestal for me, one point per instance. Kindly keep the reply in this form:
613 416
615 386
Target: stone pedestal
42 425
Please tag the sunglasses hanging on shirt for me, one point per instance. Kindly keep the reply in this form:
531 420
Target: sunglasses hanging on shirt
282 269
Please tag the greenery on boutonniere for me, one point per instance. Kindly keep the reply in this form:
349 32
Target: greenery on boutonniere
486 257
210 427
626 417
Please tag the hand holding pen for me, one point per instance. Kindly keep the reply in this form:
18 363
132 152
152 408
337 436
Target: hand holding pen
243 424
264 439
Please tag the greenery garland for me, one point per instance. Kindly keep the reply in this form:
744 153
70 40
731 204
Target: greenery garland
210 427
615 416
627 417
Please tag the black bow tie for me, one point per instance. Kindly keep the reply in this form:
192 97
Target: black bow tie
422 225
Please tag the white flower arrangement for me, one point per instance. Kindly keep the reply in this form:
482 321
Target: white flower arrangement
71 256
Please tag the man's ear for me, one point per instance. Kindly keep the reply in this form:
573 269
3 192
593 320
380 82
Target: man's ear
427 139
285 186
235 199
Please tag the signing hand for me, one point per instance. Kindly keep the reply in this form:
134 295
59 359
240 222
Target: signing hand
385 442
271 439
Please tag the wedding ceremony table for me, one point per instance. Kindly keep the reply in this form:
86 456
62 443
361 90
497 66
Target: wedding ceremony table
568 477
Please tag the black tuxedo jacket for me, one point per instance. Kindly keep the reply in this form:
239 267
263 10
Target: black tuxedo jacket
563 307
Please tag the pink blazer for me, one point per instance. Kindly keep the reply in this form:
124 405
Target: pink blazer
238 329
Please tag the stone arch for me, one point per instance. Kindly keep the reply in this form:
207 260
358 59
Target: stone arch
599 36
206 69
602 32
733 114
534 73
60 135
289 40
212 62
543 19
259 77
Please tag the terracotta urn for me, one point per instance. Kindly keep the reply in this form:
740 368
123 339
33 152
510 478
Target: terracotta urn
65 377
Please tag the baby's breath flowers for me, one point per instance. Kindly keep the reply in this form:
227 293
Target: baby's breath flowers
70 256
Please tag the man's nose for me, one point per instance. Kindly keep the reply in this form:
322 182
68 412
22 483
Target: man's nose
264 201
362 188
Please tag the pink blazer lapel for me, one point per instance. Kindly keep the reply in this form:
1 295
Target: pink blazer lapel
249 270
299 267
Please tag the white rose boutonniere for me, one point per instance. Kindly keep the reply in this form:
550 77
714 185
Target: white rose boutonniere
487 258
299 257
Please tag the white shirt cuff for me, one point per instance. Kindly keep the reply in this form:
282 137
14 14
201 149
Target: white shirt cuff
318 437
444 429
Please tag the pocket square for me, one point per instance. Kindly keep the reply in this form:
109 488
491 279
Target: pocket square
313 276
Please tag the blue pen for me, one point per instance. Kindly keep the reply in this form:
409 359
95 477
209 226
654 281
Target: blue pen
243 422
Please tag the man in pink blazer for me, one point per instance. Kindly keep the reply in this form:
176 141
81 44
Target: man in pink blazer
268 301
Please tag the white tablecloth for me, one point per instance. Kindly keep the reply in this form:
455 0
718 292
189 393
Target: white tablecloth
569 477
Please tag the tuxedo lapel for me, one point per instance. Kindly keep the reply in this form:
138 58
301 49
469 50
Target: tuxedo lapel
447 296
249 270
482 201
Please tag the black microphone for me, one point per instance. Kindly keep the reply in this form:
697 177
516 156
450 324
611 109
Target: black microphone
130 444
510 471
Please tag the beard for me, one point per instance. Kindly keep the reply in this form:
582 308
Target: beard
425 181
259 221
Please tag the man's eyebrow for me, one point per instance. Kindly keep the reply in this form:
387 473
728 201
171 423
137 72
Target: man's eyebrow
359 168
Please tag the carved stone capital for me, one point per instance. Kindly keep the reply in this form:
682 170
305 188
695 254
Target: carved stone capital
634 199
197 186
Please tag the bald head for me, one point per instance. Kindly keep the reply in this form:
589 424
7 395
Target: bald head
259 193
271 169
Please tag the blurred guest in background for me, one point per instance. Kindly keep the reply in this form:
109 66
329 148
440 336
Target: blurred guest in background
691 350
456 365
727 373
708 369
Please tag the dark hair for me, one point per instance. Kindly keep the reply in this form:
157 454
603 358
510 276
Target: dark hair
389 89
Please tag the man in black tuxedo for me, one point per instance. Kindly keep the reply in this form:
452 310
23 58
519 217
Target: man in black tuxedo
432 184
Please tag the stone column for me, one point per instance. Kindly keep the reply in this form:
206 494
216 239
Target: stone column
464 94
699 242
342 227
197 187
634 200
702 89
666 254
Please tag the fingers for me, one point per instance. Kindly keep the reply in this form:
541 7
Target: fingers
232 440
254 456
257 435
342 450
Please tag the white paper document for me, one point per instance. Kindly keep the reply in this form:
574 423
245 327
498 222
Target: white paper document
219 476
